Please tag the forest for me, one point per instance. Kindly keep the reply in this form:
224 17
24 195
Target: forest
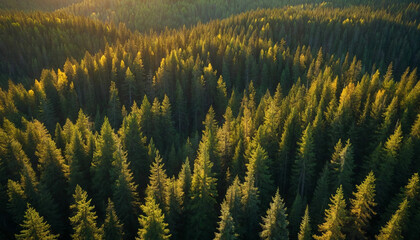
217 119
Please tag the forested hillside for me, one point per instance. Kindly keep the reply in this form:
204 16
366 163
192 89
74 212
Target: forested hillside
301 122
146 15
29 5
36 41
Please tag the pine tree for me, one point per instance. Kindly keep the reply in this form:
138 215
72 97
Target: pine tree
392 230
84 217
361 207
335 218
174 210
386 170
102 168
152 222
184 179
203 193
226 228
158 183
34 227
342 165
112 228
124 193
250 213
258 166
303 169
17 201
296 212
134 143
275 223
54 172
305 227
79 163
320 197
114 107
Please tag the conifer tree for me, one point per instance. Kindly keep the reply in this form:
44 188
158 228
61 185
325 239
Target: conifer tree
386 169
134 143
112 228
233 199
250 209
84 217
174 209
335 218
54 172
392 230
362 207
114 107
305 227
152 224
34 227
303 169
258 166
101 168
226 228
320 197
275 222
158 183
203 193
124 193
296 212
184 179
342 165
17 201
79 163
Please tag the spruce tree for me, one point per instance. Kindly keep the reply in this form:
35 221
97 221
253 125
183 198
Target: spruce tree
342 165
320 197
79 163
362 207
335 218
259 167
101 168
203 194
392 230
84 217
114 107
112 228
304 165
158 183
226 228
274 226
54 173
34 227
250 213
152 224
305 227
134 143
124 193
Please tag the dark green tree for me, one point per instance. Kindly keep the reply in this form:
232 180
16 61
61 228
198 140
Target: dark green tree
275 224
152 224
84 217
226 228
112 228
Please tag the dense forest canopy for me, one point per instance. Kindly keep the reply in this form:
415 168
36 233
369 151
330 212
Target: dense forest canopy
288 122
